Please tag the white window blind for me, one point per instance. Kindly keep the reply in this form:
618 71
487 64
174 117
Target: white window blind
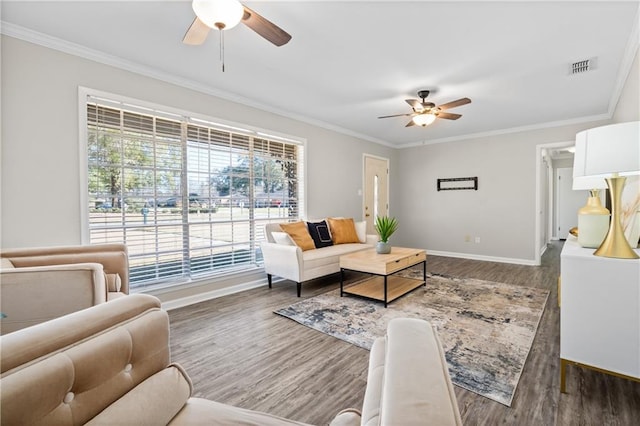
189 198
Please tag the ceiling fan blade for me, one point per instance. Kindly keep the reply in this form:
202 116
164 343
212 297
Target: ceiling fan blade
265 28
448 115
454 104
197 33
396 115
411 123
415 104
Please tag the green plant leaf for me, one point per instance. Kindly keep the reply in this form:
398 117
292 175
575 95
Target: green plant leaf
385 226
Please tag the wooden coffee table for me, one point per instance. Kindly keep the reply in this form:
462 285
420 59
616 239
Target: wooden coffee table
383 286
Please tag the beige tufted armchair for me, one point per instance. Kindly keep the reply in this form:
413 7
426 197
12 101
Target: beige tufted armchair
38 284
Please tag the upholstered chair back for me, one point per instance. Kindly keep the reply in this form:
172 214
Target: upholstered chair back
109 364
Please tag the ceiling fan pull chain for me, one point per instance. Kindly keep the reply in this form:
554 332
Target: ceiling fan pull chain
222 48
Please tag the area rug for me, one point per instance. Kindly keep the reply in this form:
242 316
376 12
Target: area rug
486 328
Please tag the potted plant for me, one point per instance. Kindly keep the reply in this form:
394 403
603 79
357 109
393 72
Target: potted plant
385 226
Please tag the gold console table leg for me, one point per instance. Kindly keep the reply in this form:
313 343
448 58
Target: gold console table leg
563 376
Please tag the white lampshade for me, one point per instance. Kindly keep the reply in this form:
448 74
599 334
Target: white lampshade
603 151
610 152
587 183
424 119
220 14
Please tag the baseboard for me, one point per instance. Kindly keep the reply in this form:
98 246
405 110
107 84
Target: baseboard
214 294
481 257
543 249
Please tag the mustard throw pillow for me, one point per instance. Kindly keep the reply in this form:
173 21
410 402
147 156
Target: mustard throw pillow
343 231
299 234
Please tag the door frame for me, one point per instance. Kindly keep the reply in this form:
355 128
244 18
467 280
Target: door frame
558 198
362 191
538 203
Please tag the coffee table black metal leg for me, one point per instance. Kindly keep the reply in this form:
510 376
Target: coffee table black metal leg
385 291
424 272
341 282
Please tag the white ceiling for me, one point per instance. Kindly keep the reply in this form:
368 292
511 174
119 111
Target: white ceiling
350 62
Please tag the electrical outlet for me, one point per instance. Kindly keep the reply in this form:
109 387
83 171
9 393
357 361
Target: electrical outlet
467 238
477 240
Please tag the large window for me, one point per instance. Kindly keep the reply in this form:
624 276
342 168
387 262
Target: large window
188 196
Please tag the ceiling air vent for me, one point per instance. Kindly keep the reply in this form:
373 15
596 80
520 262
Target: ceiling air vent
583 66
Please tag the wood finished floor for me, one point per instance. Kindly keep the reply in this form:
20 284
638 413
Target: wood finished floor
237 351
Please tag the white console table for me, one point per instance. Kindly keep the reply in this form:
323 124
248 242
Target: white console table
599 312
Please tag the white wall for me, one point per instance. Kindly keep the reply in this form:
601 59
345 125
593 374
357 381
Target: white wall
502 212
628 107
40 160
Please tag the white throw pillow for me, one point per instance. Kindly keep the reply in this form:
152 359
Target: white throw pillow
282 238
361 230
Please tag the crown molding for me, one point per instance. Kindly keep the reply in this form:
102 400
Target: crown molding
627 62
539 126
25 34
64 46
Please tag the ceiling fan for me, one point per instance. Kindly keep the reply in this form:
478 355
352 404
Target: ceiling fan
425 113
226 14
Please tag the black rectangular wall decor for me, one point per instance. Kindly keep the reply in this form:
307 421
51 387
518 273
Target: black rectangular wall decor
455 184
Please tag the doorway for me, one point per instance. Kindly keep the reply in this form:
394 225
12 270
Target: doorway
376 189
546 202
568 202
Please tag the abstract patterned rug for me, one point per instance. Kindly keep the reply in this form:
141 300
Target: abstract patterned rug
486 328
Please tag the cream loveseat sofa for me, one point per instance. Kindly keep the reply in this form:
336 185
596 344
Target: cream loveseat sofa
39 284
110 365
287 260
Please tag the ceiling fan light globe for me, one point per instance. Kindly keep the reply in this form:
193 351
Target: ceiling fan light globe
220 14
424 119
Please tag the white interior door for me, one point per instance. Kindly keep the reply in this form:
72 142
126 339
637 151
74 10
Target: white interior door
568 201
376 189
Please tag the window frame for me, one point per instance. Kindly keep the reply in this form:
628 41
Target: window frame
189 118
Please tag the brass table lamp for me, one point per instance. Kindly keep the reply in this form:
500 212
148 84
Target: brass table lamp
611 153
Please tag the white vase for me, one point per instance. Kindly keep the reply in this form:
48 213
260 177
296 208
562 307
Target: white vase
593 222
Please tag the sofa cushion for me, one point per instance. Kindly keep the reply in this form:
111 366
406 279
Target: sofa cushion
269 229
5 263
375 381
347 417
299 233
282 238
198 411
71 384
113 295
361 231
37 294
113 257
154 401
343 231
114 283
329 255
22 346
410 392
319 232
